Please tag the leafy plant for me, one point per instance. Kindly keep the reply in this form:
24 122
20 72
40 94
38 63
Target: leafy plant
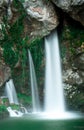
2 108
15 107
5 100
24 98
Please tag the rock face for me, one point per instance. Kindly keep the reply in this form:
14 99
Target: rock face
73 73
79 62
42 16
5 71
73 79
75 8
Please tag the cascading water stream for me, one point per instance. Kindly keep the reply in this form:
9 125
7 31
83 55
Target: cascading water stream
34 87
54 101
10 92
54 97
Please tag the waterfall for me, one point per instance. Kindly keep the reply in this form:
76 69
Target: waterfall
54 96
10 92
34 87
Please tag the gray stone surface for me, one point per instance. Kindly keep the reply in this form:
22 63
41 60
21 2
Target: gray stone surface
43 16
75 8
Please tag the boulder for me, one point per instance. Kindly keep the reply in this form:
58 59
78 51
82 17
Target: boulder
42 17
79 61
5 71
75 8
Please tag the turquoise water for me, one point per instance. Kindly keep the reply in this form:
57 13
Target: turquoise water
27 123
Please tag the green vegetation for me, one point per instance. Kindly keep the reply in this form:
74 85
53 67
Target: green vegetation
15 107
5 100
13 43
24 99
2 108
73 39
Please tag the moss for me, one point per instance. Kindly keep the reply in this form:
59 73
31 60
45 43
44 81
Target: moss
73 38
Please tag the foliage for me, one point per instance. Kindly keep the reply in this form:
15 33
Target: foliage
15 45
24 98
2 108
5 100
74 37
15 107
13 41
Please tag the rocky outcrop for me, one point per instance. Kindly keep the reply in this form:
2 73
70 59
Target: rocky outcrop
75 8
74 88
79 62
73 79
5 71
41 16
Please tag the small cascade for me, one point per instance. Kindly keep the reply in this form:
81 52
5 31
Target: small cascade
54 96
24 110
14 113
34 87
10 92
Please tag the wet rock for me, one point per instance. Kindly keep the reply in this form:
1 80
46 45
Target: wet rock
5 71
73 78
75 8
79 61
73 83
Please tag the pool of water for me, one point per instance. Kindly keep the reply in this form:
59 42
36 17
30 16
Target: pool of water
32 123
